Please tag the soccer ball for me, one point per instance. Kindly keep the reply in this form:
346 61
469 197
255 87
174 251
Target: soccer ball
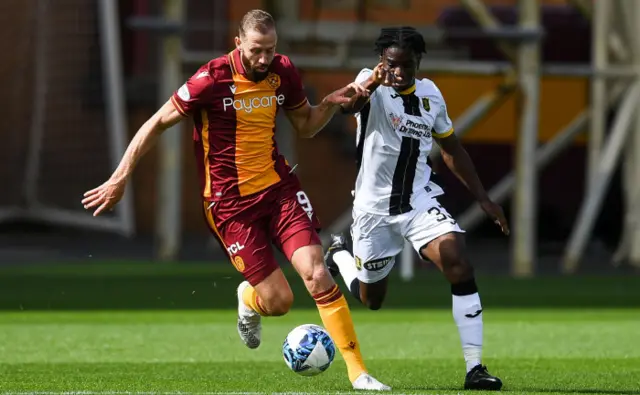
308 350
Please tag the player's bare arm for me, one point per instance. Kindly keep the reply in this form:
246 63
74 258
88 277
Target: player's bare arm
107 195
458 161
308 120
380 76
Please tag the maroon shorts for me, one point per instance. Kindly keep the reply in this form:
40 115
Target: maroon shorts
247 227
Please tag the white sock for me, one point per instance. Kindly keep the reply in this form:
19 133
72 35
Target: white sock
467 313
347 265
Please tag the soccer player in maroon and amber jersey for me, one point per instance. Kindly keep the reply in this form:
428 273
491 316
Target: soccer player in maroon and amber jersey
251 197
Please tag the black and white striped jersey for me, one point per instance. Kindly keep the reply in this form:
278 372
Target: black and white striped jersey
394 137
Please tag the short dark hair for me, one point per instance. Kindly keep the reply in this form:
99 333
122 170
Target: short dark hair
405 37
258 20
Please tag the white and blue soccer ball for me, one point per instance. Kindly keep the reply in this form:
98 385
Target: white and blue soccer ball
308 350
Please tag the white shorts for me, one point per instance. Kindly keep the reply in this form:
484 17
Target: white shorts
377 239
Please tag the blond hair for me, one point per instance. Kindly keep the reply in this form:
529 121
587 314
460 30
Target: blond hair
258 20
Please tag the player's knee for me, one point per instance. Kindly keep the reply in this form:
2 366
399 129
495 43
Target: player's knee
454 263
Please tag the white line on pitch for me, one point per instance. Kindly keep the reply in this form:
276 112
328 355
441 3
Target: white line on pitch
177 393
164 393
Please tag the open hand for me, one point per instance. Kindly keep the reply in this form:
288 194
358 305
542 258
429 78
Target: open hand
104 197
347 94
494 211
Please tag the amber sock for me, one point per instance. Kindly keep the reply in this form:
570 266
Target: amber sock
252 300
336 318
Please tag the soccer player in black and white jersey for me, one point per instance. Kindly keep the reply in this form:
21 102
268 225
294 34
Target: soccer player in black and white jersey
396 200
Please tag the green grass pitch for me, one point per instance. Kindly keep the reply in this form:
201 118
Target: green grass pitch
534 351
110 329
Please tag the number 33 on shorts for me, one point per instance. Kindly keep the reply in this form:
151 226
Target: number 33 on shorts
441 214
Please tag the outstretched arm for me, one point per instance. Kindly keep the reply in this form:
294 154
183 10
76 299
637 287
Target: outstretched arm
145 138
308 120
184 101
370 81
107 195
355 106
458 161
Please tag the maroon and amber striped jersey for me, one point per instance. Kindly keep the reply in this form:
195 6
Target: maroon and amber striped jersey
234 118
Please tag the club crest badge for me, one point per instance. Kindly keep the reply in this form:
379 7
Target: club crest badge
425 104
395 120
358 262
273 80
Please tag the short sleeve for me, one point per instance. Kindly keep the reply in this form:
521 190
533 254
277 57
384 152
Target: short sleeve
295 96
363 75
194 93
443 127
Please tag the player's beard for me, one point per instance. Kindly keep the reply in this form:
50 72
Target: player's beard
259 75
253 72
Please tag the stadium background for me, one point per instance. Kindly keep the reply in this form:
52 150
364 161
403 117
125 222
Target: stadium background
142 301
59 139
